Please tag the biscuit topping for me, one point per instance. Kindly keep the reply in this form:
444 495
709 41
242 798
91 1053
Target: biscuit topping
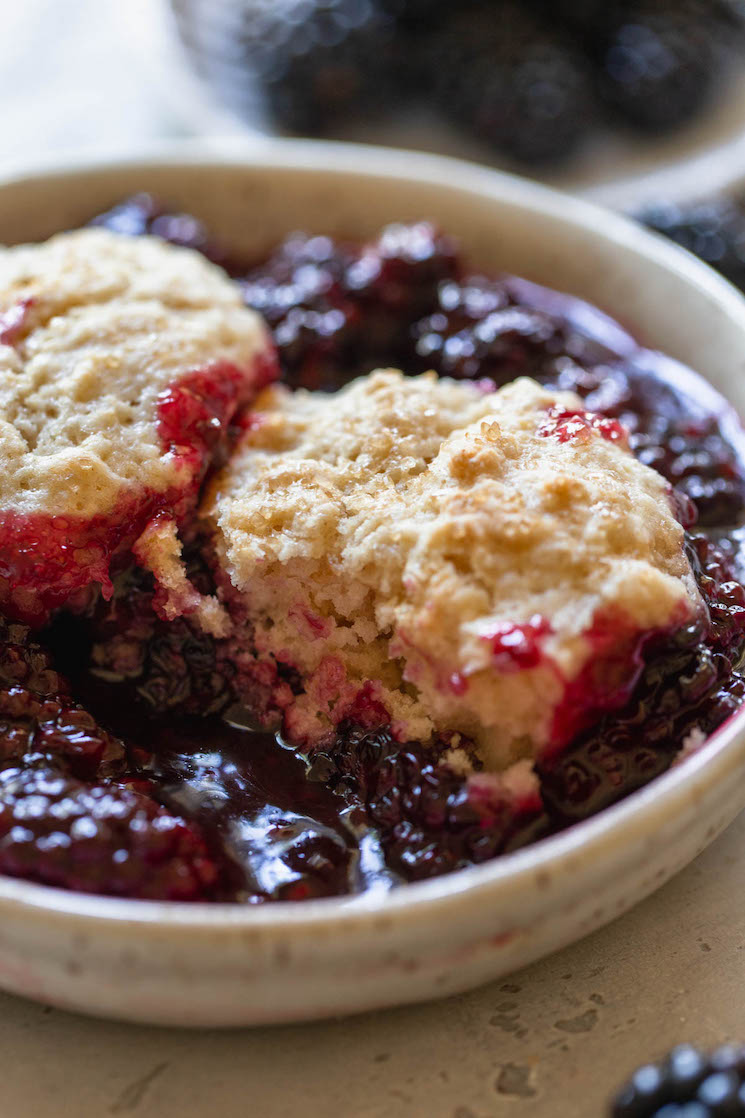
121 362
474 559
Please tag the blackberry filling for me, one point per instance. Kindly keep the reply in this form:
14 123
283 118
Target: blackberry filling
123 728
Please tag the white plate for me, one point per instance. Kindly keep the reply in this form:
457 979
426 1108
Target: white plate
228 965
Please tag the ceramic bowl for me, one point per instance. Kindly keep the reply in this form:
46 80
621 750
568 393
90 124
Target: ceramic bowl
230 965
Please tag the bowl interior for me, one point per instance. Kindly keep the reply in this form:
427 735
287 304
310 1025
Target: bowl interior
667 299
234 964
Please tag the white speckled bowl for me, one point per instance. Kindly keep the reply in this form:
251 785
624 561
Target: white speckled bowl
228 965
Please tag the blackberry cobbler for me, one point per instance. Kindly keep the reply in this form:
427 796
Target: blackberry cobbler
430 566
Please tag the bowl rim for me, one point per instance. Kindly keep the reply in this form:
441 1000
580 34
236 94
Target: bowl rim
720 756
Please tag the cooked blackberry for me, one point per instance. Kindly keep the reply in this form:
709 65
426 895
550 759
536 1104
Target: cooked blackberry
169 666
24 663
283 835
699 462
657 62
483 328
686 1084
688 684
142 213
65 819
429 818
338 310
511 79
98 839
319 61
299 290
58 730
301 272
713 229
508 342
39 718
391 282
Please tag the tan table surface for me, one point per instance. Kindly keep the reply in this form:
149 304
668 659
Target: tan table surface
550 1042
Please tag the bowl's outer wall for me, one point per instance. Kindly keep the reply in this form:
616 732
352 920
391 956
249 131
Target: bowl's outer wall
188 966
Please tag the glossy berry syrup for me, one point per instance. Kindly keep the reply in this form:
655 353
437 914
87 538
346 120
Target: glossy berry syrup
127 767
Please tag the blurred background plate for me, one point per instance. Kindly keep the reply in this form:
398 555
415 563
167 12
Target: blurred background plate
707 158
673 127
100 76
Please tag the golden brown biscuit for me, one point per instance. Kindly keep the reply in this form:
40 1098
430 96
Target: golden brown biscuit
122 361
447 558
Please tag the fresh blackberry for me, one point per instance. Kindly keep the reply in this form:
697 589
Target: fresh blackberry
686 1084
657 63
319 62
732 11
512 79
713 229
